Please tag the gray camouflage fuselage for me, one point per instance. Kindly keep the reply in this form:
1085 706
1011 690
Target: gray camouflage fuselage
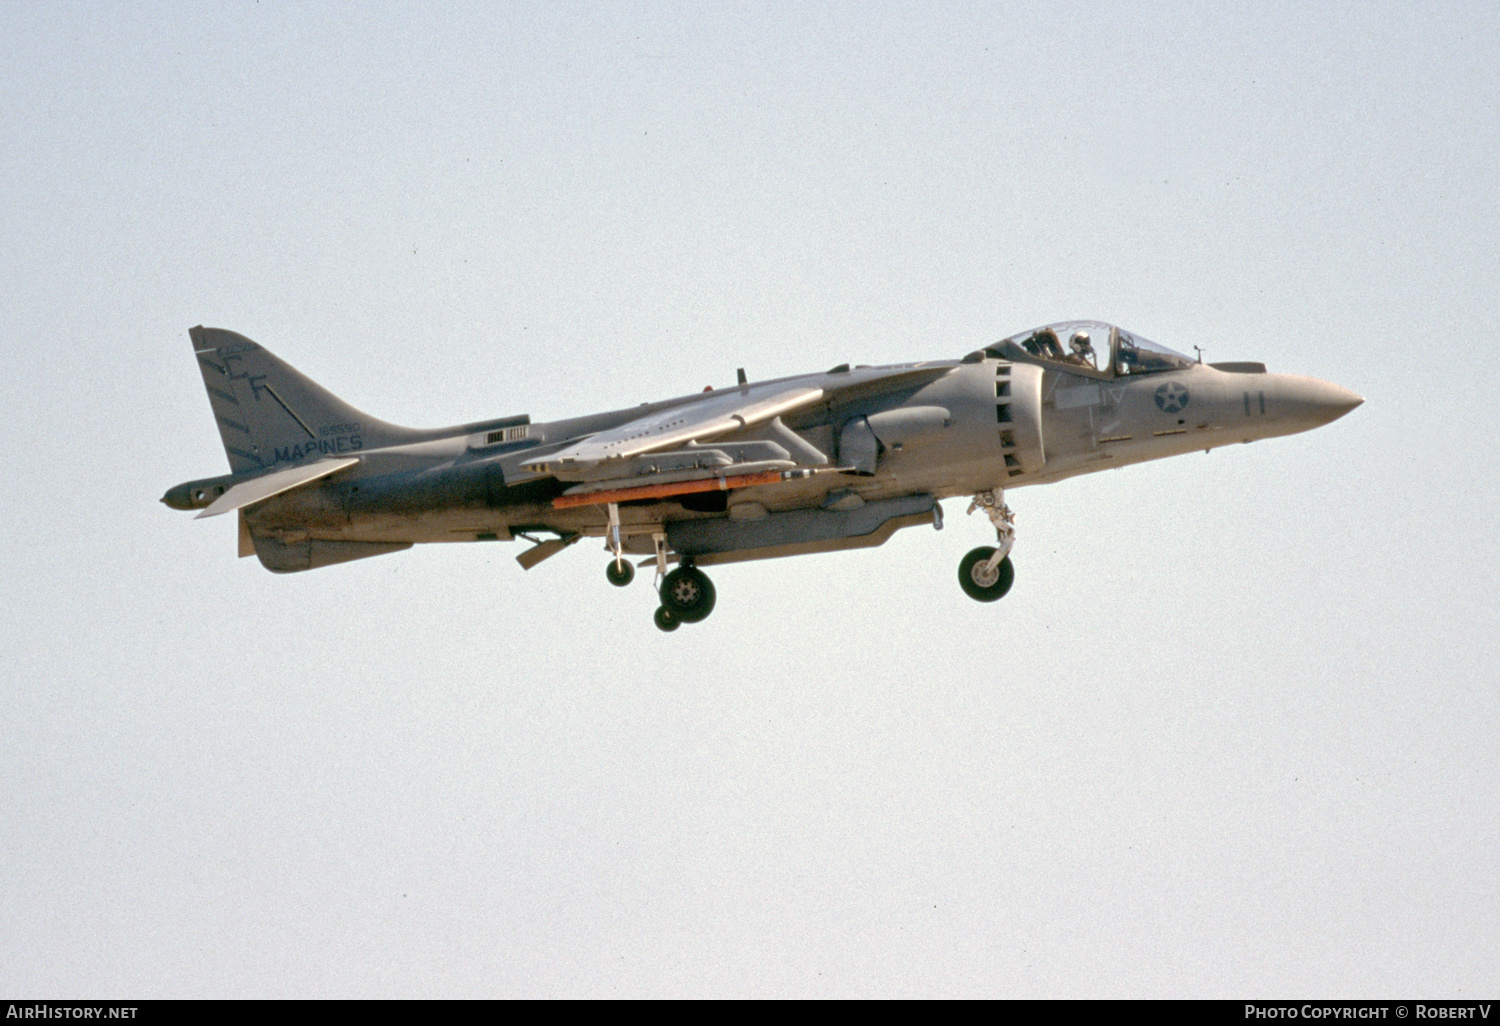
851 456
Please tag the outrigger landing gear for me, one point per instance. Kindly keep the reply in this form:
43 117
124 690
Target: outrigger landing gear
986 574
619 571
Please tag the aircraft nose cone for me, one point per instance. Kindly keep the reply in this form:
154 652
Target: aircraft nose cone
1313 403
1333 401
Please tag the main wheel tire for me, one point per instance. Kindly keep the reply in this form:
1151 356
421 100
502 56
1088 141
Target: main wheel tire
619 572
688 593
666 619
981 586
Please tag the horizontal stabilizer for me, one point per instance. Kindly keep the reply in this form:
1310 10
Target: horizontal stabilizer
256 489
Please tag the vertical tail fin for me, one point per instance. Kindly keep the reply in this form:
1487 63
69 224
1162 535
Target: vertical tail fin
270 414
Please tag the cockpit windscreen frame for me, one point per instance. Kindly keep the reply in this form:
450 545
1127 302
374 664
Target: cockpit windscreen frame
1128 355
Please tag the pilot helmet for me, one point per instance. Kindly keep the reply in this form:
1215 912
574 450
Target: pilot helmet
1080 342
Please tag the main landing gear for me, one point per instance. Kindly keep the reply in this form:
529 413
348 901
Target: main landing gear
986 573
687 595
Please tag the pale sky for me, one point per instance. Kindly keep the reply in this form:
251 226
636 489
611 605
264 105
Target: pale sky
1233 733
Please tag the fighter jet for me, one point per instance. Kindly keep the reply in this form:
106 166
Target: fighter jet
791 466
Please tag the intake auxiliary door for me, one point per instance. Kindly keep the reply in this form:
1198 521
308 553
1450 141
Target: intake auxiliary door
1018 418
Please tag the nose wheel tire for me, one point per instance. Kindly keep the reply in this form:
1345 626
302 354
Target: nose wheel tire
985 586
666 619
688 594
619 572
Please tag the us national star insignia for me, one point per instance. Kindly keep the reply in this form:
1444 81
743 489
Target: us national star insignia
1171 397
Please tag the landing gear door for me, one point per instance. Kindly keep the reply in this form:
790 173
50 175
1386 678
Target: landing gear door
1018 416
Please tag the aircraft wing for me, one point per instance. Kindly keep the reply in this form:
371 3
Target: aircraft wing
706 418
724 412
258 488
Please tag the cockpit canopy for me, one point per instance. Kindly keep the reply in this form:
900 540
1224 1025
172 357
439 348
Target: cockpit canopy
1091 348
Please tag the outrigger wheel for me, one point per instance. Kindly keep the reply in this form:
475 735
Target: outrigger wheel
666 619
619 572
981 582
687 594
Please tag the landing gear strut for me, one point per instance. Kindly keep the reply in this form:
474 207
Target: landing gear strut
986 574
619 571
687 595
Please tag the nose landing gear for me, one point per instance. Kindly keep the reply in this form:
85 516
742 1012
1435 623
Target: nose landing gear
983 580
986 574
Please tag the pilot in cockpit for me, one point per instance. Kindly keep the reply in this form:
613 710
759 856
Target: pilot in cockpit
1083 350
1045 344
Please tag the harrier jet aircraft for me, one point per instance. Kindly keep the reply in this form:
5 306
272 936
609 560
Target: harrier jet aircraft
813 463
